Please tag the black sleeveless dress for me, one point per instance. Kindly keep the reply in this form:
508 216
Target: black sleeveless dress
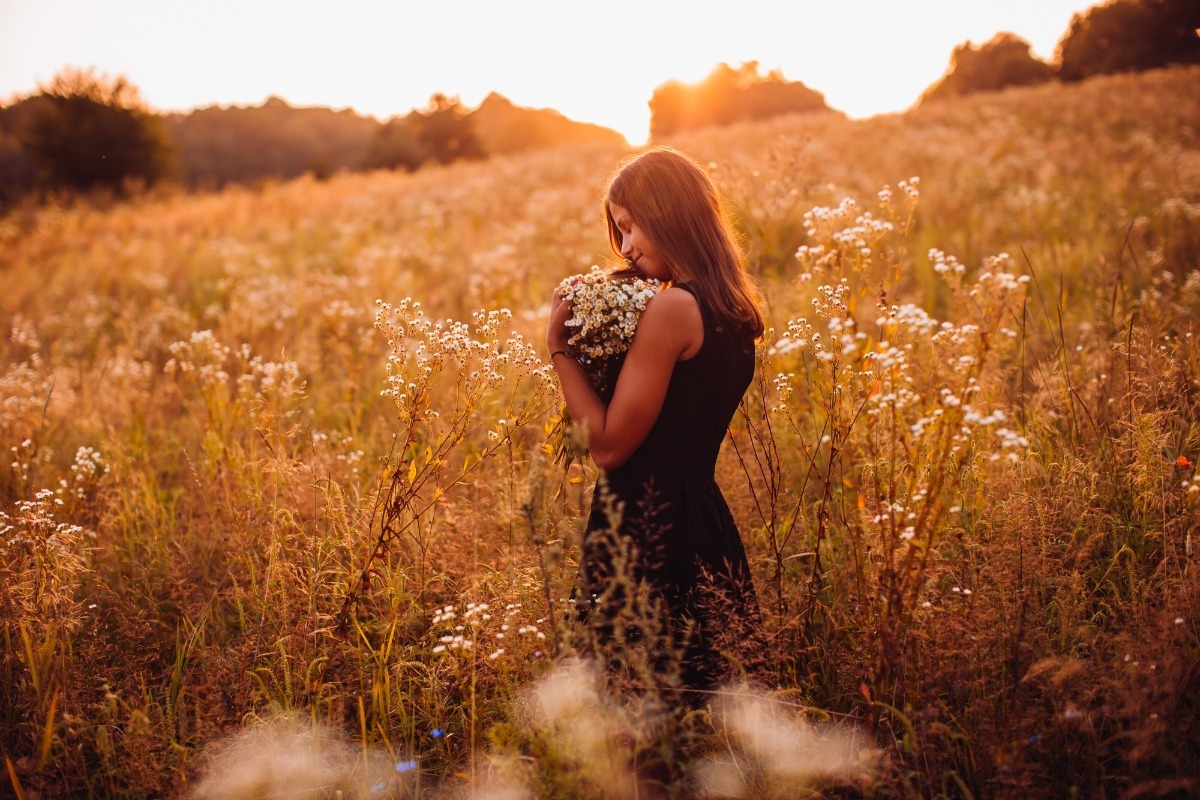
688 552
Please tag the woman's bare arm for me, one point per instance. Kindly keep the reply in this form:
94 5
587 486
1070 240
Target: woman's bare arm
669 329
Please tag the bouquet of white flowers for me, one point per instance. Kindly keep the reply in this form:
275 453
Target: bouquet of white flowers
605 308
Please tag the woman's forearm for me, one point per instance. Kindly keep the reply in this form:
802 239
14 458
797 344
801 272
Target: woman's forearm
582 402
670 324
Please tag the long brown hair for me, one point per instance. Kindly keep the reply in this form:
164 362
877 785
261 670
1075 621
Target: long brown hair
675 203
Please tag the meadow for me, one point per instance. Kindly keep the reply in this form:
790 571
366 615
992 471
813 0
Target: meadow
279 515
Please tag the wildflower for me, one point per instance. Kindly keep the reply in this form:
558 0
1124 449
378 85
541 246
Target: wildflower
406 766
1182 461
437 733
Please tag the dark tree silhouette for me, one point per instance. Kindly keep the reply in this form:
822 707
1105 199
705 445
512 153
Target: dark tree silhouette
90 131
445 132
84 131
1002 61
1129 35
18 173
728 95
395 146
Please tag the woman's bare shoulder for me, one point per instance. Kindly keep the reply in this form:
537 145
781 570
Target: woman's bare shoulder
673 303
672 317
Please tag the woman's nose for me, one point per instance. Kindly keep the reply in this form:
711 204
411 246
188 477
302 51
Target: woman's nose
626 248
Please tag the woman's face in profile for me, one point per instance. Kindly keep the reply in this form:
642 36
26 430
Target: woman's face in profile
636 246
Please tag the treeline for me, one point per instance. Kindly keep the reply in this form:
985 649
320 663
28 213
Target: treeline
86 131
1120 36
217 146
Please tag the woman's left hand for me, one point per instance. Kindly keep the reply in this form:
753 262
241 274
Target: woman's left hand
557 332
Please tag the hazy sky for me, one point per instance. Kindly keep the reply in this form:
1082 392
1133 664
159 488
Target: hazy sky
593 61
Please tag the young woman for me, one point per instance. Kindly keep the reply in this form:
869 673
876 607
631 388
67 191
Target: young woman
656 442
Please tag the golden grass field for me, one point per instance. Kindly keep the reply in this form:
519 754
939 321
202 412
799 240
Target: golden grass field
965 474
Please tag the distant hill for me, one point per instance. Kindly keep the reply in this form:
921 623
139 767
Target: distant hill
219 145
507 128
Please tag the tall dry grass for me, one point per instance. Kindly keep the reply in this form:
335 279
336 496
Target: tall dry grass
243 496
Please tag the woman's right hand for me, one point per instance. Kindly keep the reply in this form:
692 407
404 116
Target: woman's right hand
556 331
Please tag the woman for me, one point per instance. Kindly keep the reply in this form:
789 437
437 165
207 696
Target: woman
656 442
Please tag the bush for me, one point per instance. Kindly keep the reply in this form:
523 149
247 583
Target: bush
1130 35
91 131
1002 61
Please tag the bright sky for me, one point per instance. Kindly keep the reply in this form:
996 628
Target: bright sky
592 60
